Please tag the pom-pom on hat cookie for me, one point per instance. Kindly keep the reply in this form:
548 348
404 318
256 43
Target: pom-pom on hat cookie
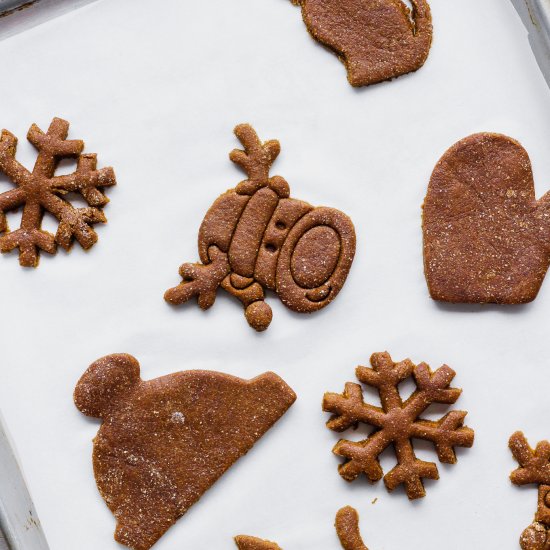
164 442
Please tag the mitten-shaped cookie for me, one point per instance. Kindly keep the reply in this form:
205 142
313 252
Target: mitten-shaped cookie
486 237
377 40
164 442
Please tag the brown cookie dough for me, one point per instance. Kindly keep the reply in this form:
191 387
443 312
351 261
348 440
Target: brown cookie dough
164 442
347 528
486 237
256 237
377 40
40 191
397 423
252 543
534 469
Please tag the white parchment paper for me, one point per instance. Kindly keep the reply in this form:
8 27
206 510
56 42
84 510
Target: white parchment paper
155 89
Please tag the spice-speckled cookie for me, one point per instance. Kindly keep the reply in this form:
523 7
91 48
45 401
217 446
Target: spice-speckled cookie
40 191
397 423
245 542
256 237
377 40
534 468
164 442
486 237
347 529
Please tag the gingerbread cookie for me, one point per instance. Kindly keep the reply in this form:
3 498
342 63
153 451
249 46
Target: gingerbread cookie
377 40
397 423
534 469
40 191
245 542
486 238
256 237
347 528
164 442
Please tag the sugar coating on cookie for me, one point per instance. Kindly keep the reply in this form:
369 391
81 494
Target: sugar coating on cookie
534 469
164 442
486 237
397 423
42 191
377 40
256 237
347 529
244 542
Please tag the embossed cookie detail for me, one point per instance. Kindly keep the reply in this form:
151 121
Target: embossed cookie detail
256 237
164 442
40 191
486 237
377 40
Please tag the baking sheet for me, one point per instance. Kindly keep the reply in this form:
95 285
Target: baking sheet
156 91
18 16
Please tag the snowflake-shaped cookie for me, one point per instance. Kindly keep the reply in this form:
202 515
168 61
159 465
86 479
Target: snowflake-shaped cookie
397 422
40 191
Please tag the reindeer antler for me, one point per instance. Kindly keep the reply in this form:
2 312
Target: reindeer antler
534 464
534 468
256 160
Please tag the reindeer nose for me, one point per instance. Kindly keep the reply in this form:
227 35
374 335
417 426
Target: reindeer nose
259 315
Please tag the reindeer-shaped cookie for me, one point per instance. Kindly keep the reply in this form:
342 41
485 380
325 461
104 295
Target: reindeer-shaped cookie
534 468
256 237
164 442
